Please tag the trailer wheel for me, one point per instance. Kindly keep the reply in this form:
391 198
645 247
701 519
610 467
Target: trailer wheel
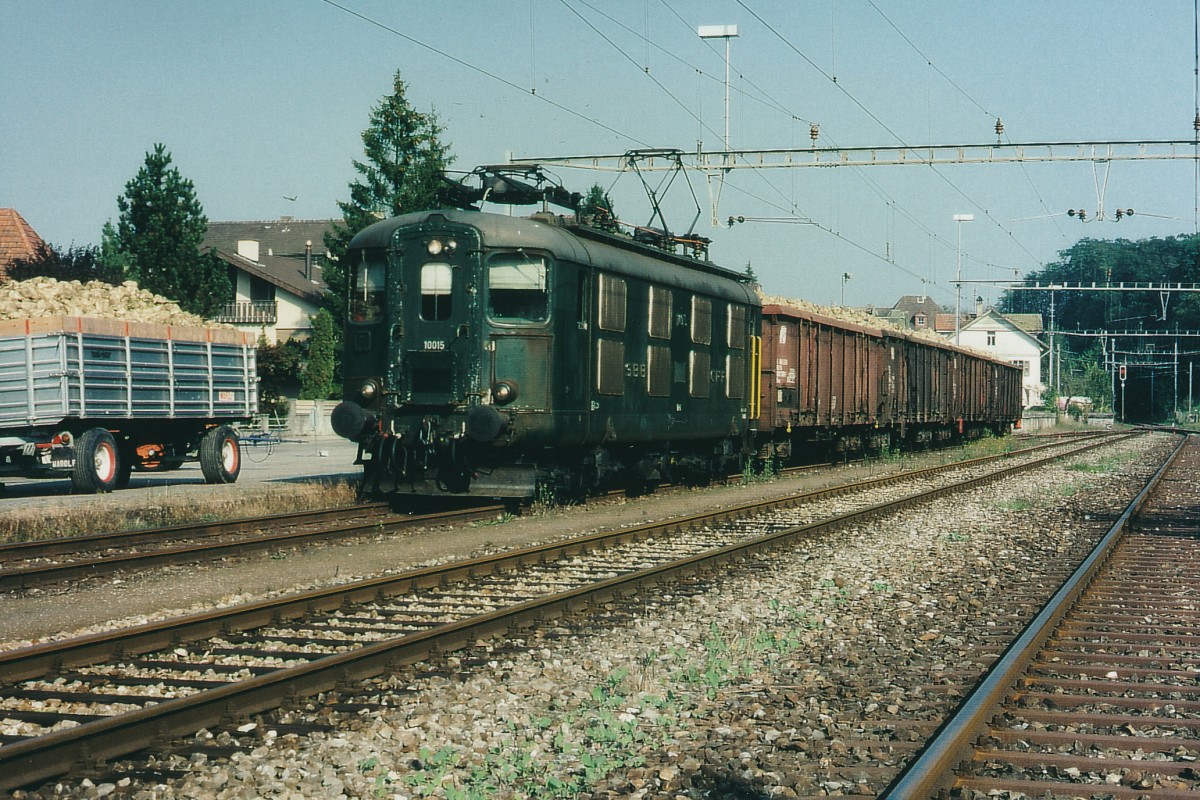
220 455
97 463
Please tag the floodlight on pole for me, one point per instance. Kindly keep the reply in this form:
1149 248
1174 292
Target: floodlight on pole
725 32
959 219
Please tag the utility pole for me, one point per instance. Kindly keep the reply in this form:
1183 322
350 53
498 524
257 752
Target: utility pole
1175 373
1050 364
959 219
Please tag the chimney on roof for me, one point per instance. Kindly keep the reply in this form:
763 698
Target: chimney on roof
978 306
248 249
308 260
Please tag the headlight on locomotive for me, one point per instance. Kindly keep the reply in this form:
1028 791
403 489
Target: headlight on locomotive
504 392
368 391
435 247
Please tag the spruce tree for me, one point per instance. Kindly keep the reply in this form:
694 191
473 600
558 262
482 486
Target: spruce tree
597 209
402 169
159 234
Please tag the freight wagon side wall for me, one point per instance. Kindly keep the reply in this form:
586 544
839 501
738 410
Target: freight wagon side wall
59 368
817 372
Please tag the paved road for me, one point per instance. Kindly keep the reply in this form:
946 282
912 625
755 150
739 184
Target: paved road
289 461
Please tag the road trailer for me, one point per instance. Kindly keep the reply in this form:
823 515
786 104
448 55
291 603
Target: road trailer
92 399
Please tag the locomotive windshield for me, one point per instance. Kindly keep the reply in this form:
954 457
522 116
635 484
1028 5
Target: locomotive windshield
436 282
518 288
369 292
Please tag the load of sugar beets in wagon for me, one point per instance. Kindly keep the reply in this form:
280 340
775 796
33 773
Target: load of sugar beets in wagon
97 380
46 297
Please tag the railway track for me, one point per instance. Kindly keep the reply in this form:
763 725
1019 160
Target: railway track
41 563
105 695
1100 694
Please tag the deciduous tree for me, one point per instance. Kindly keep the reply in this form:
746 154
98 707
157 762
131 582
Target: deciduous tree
73 264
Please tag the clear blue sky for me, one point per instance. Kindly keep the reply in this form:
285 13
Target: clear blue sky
262 101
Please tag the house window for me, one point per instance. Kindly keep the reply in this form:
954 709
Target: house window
261 291
920 321
991 338
1024 365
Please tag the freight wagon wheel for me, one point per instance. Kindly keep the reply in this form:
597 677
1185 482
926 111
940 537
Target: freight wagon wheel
97 464
220 455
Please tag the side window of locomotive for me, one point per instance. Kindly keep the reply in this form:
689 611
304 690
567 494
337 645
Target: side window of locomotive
518 287
701 320
735 329
612 303
660 313
366 303
436 282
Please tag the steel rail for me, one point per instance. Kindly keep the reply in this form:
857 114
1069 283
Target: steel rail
44 757
931 771
40 575
37 660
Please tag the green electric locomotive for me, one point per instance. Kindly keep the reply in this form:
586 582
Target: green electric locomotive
502 356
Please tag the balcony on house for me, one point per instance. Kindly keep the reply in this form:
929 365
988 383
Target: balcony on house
258 313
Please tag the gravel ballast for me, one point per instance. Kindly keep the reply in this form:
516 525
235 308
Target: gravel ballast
758 682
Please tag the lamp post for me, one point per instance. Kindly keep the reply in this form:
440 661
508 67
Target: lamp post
725 32
845 277
959 219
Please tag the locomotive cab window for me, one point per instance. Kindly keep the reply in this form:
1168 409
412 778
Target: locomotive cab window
660 312
436 282
701 320
518 287
370 289
735 332
612 303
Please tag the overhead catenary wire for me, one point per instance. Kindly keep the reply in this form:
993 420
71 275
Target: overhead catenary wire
999 126
604 126
486 73
875 118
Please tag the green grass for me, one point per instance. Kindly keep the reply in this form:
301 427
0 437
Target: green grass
118 512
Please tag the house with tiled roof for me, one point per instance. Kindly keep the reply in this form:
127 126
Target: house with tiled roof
1000 336
18 239
912 311
275 268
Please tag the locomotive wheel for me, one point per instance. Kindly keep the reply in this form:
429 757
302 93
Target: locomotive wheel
220 455
97 462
